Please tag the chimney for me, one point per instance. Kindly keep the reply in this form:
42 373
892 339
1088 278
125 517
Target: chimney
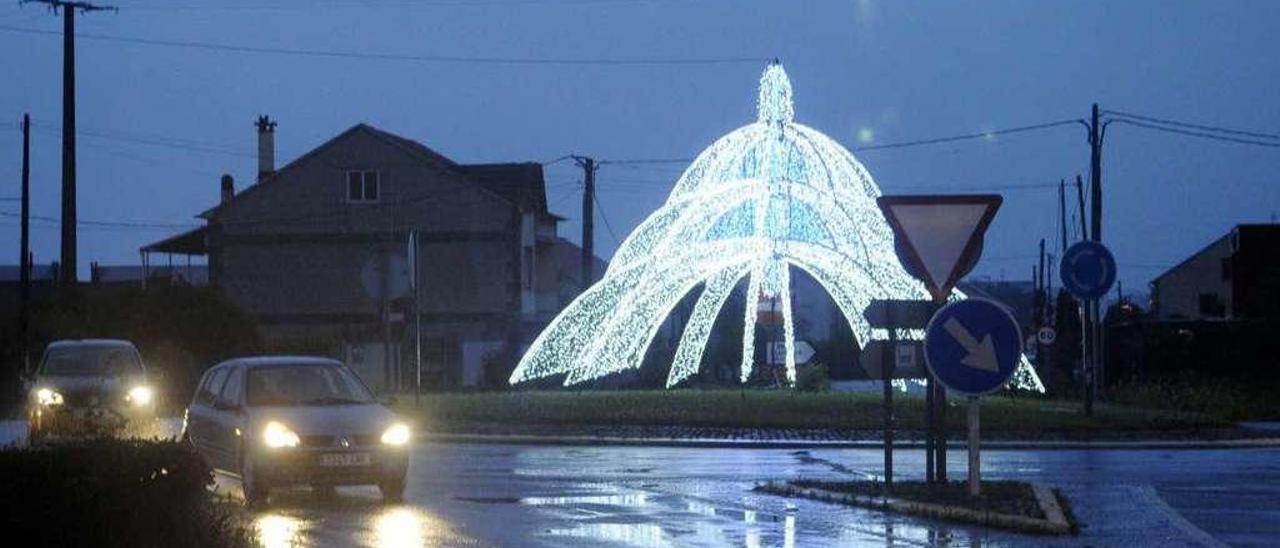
266 147
228 188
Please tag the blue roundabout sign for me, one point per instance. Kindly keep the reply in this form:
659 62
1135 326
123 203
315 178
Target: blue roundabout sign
1088 270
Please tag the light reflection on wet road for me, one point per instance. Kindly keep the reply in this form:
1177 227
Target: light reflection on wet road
496 495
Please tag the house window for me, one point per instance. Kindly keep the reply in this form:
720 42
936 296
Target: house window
1211 307
362 186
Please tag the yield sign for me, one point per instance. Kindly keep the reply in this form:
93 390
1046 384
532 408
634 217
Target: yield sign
939 236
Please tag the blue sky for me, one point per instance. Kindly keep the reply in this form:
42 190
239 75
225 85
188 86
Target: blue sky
865 72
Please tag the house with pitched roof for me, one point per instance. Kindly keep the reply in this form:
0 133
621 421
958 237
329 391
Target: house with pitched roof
317 251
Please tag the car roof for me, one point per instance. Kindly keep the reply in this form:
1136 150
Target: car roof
113 343
253 361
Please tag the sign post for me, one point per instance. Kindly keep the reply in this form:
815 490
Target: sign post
895 359
938 239
972 347
417 317
1088 271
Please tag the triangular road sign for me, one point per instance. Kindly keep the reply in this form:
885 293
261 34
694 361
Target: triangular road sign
939 236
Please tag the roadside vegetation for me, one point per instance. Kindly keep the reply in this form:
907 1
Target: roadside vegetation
1019 417
115 493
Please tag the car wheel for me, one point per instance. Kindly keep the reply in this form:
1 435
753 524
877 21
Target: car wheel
392 488
255 489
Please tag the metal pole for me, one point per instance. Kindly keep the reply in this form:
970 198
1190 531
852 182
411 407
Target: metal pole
929 437
940 446
417 322
975 462
888 362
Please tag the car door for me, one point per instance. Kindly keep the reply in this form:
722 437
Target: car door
227 421
201 413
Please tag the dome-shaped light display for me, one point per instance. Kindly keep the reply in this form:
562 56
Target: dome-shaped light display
768 197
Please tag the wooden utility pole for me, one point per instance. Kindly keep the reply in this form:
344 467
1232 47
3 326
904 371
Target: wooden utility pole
1062 211
67 270
1095 174
1086 319
24 246
1096 134
588 166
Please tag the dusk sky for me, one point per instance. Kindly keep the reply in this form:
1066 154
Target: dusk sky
161 123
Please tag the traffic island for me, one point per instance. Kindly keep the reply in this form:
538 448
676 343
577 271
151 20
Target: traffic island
1012 505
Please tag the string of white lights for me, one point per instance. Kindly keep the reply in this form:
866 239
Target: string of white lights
768 197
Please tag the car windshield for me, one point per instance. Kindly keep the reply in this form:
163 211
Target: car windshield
305 384
92 361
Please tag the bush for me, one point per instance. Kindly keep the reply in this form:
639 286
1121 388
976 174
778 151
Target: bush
813 378
114 493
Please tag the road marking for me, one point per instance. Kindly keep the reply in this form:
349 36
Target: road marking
1177 520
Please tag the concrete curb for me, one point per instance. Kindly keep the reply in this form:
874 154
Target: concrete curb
1252 443
1055 524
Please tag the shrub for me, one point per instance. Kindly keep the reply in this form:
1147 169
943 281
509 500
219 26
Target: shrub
114 493
813 378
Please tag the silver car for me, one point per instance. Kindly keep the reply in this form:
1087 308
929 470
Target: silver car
281 420
89 387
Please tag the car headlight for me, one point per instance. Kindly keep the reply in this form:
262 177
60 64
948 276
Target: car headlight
140 395
277 435
397 434
46 396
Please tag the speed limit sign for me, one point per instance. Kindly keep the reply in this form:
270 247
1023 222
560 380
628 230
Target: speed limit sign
1046 336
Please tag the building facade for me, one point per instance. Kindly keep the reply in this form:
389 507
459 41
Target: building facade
1234 277
317 253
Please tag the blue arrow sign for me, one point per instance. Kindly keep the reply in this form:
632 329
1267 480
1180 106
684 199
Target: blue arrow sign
972 346
1088 270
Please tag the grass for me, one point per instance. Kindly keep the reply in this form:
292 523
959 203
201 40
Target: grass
1022 416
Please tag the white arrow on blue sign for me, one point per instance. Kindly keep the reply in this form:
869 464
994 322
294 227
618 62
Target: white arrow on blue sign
972 346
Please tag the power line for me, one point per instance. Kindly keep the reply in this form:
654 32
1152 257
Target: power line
341 54
609 227
1199 134
886 146
397 5
1203 127
153 140
125 224
968 136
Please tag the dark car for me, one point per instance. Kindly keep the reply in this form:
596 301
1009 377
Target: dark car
89 387
281 421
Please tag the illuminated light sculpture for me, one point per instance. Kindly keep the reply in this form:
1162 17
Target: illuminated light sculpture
768 197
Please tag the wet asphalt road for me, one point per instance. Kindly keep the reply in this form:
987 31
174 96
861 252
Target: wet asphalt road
500 495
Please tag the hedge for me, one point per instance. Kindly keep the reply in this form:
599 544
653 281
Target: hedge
114 493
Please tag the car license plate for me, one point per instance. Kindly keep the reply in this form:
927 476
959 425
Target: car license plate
345 459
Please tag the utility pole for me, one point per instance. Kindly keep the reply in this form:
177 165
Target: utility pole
1062 211
1042 298
1086 320
1096 134
1095 174
24 246
588 166
67 272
